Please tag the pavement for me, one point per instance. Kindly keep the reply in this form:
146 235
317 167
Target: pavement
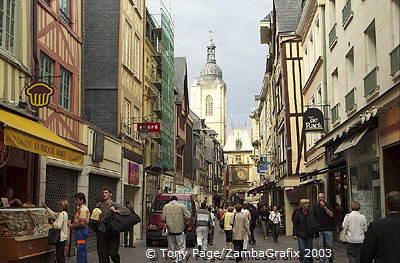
141 253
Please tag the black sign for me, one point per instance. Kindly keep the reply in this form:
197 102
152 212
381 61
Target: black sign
313 120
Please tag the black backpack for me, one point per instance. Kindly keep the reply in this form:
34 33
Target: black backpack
116 223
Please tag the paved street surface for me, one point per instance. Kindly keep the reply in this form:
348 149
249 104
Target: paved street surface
138 254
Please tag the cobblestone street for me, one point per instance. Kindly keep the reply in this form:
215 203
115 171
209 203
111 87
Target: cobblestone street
138 254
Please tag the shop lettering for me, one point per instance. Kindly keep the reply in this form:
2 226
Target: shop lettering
44 148
313 123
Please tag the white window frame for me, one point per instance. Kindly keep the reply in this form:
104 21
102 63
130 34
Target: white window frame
8 35
65 88
127 45
209 106
47 65
65 6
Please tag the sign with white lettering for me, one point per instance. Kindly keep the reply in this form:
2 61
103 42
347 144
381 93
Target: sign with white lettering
313 120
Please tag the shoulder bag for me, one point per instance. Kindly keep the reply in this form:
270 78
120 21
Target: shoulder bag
343 233
54 235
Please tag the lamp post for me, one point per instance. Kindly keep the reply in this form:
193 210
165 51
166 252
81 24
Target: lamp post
143 134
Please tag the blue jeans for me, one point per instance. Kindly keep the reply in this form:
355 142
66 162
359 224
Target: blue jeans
305 243
80 237
325 242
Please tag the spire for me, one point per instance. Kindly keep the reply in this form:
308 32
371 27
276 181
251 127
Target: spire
211 49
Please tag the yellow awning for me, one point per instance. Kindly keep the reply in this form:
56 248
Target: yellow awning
32 136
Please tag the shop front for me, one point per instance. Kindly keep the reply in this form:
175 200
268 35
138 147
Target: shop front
24 142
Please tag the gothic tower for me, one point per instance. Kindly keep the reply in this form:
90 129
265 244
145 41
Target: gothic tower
208 95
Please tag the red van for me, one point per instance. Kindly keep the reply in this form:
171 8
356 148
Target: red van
155 225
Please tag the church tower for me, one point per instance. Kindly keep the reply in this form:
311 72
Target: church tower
208 95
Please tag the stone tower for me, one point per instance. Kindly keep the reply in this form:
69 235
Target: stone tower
208 95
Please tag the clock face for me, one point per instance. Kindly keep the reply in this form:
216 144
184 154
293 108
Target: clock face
241 174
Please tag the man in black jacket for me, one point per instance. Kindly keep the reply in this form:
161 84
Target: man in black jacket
303 229
382 241
253 222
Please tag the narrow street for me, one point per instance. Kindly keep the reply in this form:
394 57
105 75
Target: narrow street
138 254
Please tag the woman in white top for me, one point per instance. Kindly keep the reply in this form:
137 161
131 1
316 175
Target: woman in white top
355 226
61 222
275 219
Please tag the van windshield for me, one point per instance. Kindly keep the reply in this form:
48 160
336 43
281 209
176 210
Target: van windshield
159 204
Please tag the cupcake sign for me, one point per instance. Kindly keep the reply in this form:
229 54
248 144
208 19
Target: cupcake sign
39 94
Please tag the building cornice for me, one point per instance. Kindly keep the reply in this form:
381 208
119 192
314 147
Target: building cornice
309 10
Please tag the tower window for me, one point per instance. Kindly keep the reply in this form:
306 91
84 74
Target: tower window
209 106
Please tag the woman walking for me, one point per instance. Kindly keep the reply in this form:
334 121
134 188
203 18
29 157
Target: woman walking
61 222
355 226
226 218
302 229
275 218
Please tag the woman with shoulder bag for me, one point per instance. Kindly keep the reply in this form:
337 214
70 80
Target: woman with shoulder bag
61 222
275 218
353 233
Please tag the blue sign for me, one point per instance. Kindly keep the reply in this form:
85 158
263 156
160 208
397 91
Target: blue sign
262 165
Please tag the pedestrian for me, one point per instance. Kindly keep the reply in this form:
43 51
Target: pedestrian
94 222
354 225
253 223
240 230
323 213
80 227
220 217
203 224
211 230
61 222
382 240
128 234
303 229
228 227
275 219
264 219
175 215
245 210
108 242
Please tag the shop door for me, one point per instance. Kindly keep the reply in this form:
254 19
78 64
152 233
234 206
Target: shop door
338 196
61 184
96 184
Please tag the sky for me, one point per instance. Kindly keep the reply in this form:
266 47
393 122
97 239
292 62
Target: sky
236 26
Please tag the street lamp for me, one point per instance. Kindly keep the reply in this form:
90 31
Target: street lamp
143 131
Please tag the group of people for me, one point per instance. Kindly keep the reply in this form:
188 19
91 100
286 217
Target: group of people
378 241
107 242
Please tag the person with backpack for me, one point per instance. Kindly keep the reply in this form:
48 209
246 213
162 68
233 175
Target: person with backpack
80 227
128 234
108 241
228 227
275 219
303 229
203 224
264 219
61 222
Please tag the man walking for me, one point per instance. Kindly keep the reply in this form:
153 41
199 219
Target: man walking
128 234
253 223
240 229
109 242
323 213
382 241
246 212
80 225
264 219
203 224
302 229
175 215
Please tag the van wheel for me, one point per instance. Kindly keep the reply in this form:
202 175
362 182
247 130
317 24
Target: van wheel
149 242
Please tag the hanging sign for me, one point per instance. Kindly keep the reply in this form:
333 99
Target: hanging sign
39 94
313 120
149 126
262 165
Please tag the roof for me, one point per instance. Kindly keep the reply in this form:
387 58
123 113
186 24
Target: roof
236 137
288 13
196 120
180 77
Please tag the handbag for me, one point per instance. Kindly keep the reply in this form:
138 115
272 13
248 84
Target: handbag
343 233
116 223
54 235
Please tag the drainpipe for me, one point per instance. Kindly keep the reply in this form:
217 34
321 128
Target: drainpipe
325 74
34 40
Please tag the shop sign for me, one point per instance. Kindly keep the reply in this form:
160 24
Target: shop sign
313 120
262 165
39 94
4 150
133 173
149 126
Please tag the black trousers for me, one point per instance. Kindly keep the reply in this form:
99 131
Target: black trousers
354 252
210 236
128 241
252 238
60 256
275 232
108 246
238 246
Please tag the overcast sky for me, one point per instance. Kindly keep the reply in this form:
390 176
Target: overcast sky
240 55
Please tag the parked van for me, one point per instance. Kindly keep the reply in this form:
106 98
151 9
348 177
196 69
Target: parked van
155 226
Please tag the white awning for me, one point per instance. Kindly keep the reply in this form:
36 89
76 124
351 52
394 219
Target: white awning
351 141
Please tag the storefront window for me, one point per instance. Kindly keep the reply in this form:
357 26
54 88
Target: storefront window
365 188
